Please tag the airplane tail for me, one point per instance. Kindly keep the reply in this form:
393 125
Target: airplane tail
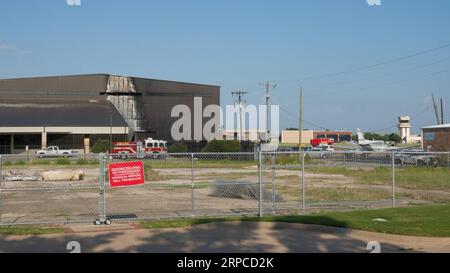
360 135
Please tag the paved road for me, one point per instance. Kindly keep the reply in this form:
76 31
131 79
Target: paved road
223 237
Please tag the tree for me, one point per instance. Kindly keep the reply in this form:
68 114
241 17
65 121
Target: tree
222 146
101 146
395 138
178 147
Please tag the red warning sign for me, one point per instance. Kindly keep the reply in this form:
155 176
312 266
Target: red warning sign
126 174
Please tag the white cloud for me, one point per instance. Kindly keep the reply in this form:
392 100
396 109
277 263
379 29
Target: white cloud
9 48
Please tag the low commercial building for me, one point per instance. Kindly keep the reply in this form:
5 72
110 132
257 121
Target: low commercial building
293 137
436 138
338 136
247 135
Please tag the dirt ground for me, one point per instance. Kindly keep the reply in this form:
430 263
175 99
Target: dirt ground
168 193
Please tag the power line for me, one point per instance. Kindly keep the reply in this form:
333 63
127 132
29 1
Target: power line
325 128
327 75
382 76
382 85
252 84
427 108
296 117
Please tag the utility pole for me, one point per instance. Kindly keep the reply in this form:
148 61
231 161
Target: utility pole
268 87
300 122
435 110
239 101
442 111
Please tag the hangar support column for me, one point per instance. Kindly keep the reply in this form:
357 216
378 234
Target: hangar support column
43 139
12 144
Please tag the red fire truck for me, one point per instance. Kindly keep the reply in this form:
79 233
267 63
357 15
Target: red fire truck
317 142
149 148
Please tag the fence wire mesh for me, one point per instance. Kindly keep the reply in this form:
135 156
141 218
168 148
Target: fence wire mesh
56 190
66 190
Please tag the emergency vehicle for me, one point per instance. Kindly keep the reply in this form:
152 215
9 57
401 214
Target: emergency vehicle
149 148
318 142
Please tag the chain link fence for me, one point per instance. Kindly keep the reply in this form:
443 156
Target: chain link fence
48 191
71 190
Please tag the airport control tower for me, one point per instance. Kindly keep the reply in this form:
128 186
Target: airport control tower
404 127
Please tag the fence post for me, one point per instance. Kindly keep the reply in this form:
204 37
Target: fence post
101 200
303 184
1 187
448 161
260 178
192 186
273 186
393 181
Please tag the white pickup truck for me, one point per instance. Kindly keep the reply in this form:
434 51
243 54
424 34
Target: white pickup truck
54 151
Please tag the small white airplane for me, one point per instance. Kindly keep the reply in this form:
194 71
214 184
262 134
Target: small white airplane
373 145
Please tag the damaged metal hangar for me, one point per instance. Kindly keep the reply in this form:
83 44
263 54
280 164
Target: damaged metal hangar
75 111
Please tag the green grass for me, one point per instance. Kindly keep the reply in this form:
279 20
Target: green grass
21 163
199 163
94 162
82 161
30 230
7 163
47 162
431 221
180 223
63 161
342 194
41 162
408 178
152 175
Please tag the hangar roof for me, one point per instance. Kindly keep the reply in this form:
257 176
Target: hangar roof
89 84
85 114
81 100
442 126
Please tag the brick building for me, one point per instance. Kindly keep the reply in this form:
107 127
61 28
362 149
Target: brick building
436 138
338 136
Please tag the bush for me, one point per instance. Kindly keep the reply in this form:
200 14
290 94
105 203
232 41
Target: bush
20 162
101 146
94 162
82 161
41 162
178 148
63 161
222 146
7 163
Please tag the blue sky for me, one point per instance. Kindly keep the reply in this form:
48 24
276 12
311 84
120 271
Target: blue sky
237 44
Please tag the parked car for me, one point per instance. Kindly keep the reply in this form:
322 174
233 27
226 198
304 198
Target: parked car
416 159
320 152
54 151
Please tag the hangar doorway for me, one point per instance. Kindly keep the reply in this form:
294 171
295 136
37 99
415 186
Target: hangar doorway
5 144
